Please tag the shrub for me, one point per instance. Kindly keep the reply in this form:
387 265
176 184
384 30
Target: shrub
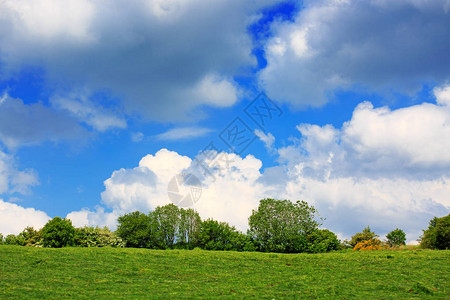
372 244
134 229
282 226
363 236
215 235
396 237
322 240
58 233
97 237
437 236
30 237
1 238
11 239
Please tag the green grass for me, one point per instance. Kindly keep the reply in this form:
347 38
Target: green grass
27 272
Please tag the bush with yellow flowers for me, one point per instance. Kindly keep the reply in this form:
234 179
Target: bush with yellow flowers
372 244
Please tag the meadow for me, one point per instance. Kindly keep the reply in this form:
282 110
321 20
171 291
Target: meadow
106 273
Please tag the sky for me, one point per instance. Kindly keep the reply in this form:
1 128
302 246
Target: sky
344 104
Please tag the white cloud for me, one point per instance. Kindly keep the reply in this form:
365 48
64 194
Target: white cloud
163 59
87 111
13 180
26 124
183 133
137 137
442 95
374 45
14 218
268 139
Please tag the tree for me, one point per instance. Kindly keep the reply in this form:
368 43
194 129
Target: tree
359 237
29 237
215 235
166 224
396 237
322 240
135 229
282 226
1 239
11 239
437 236
189 227
58 233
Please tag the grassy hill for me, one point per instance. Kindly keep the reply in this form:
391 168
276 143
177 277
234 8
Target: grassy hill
27 272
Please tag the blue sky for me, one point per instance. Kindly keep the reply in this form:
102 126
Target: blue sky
102 103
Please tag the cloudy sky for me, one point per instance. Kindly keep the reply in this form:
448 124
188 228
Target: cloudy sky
344 104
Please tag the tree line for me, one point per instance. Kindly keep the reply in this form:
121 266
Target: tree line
275 226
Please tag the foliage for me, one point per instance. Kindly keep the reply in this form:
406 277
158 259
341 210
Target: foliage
166 222
30 237
396 237
1 239
58 233
437 236
97 237
117 273
282 226
11 239
363 236
216 235
322 240
372 244
189 227
166 227
134 229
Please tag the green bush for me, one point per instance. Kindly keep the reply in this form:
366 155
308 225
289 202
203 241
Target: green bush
58 233
11 239
97 237
30 237
396 237
135 230
322 240
1 238
215 235
360 237
437 236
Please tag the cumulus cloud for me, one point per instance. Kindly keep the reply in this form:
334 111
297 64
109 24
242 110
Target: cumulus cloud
161 58
183 133
14 218
13 180
390 170
378 45
26 124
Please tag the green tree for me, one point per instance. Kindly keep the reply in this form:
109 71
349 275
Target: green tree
189 227
166 224
322 240
396 237
215 235
29 237
359 237
11 239
1 239
437 236
135 229
58 233
282 226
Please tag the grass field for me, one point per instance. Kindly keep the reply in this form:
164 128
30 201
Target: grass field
27 272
